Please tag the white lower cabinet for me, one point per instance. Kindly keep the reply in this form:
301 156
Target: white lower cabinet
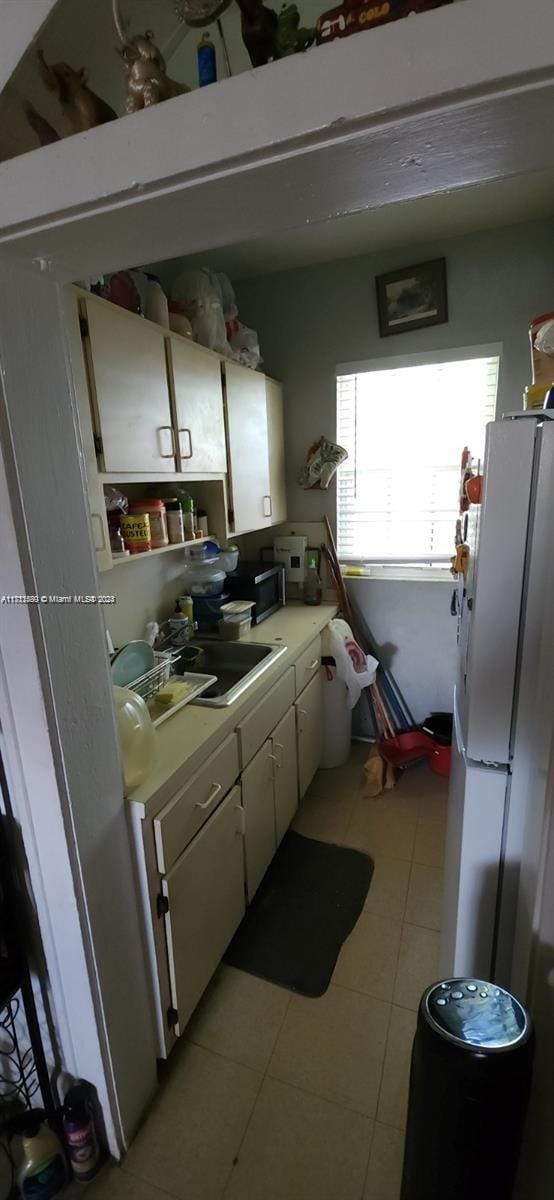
283 741
204 895
259 816
309 722
206 884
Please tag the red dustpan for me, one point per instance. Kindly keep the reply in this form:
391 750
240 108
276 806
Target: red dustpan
406 748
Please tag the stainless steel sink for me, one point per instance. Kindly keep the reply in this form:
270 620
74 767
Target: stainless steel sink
237 666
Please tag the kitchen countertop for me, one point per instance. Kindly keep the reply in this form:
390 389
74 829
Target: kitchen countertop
188 737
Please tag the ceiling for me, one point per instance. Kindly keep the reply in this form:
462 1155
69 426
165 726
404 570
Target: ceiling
450 214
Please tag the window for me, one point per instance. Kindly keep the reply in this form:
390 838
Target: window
404 423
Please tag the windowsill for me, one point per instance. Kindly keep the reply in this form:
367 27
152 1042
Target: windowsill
400 574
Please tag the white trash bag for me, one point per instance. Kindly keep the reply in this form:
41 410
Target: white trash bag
356 669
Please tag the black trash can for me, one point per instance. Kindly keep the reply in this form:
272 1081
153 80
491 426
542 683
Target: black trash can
471 1071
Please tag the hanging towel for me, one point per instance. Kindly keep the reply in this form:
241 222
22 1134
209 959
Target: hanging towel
356 669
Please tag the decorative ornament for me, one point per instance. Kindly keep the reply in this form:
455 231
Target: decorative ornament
81 107
259 31
147 80
292 38
44 130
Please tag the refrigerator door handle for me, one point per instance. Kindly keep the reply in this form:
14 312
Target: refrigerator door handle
457 725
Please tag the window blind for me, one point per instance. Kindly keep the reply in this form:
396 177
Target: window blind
404 429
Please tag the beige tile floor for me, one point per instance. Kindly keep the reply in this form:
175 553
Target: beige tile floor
273 1096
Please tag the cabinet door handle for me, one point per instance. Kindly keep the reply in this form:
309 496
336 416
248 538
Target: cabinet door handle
275 760
190 450
97 523
267 506
161 430
216 788
279 746
313 665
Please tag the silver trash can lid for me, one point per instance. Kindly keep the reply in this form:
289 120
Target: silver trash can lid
475 1014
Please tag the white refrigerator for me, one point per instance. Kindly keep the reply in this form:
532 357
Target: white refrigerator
501 777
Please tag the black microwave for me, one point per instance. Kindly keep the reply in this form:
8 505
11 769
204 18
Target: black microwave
261 582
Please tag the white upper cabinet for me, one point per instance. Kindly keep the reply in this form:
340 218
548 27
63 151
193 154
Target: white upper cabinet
247 433
276 442
129 390
195 376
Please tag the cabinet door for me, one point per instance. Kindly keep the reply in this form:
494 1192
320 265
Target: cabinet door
205 897
309 719
286 773
259 817
276 439
130 392
97 506
198 393
248 448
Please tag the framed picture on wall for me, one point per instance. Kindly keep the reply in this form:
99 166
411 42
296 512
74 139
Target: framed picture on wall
412 298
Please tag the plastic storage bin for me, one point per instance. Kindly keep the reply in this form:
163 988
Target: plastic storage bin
471 1071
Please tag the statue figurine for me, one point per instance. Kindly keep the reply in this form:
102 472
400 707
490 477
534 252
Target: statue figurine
259 31
44 130
147 82
291 36
82 108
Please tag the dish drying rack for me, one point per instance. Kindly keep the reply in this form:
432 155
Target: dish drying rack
148 685
155 679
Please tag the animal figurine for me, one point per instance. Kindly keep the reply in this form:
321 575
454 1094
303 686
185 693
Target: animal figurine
291 36
259 31
147 82
81 107
44 130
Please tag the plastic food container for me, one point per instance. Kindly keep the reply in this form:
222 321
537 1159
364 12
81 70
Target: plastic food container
136 736
232 629
135 530
228 558
237 610
158 520
203 579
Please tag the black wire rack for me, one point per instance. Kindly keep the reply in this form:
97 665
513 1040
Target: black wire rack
19 1082
23 1068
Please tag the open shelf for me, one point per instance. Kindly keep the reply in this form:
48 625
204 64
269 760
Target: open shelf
124 560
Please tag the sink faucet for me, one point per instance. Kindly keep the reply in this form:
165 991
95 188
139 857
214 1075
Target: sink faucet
175 632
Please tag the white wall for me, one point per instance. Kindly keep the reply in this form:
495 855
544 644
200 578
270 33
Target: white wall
310 320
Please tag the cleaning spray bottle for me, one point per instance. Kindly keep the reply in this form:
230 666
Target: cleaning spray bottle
43 1172
80 1133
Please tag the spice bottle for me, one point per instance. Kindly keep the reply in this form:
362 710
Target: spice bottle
175 523
158 521
80 1134
202 521
189 518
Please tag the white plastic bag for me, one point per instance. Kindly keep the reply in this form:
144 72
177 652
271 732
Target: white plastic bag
245 345
339 643
200 294
544 340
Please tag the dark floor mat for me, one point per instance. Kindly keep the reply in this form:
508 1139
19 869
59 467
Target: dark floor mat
303 911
